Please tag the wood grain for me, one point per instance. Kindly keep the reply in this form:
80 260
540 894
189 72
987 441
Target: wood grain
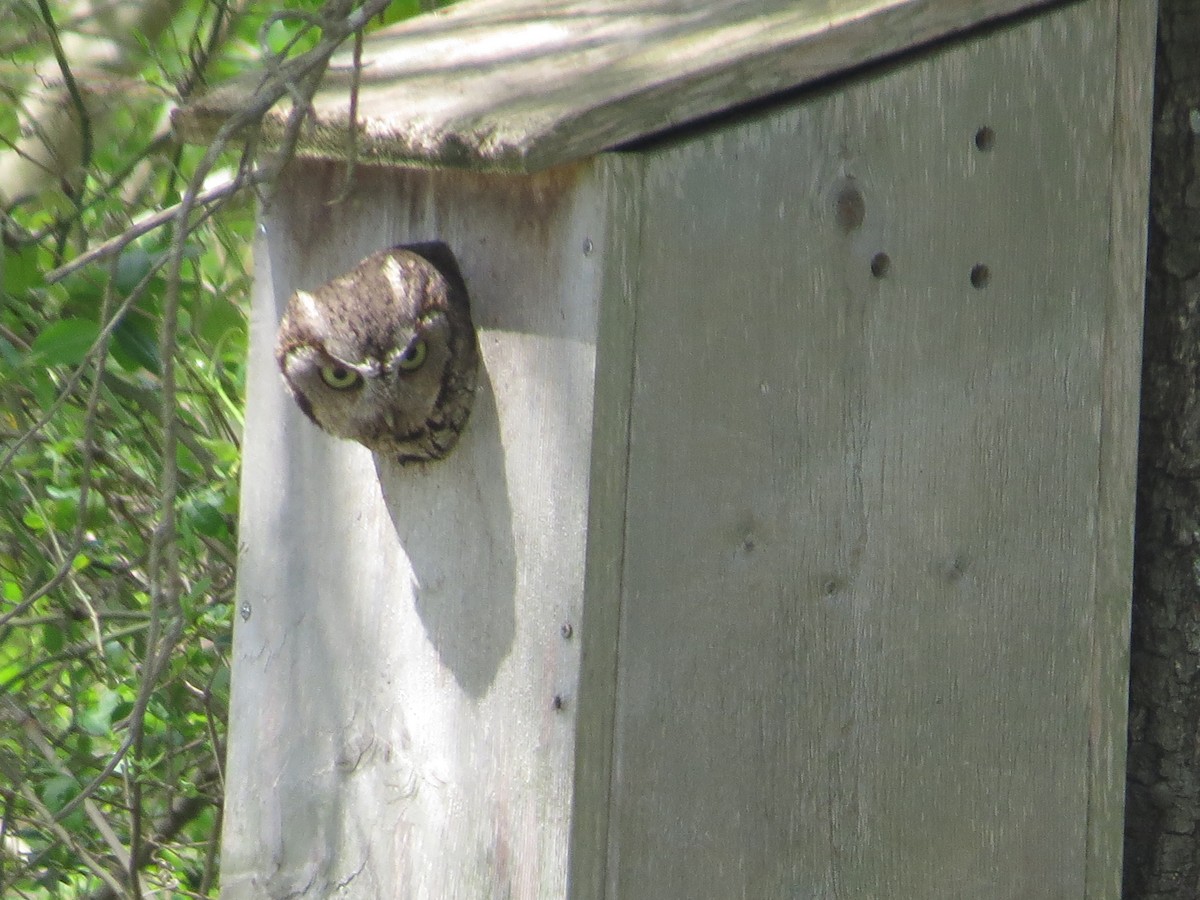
393 729
608 496
1134 81
860 586
787 551
521 85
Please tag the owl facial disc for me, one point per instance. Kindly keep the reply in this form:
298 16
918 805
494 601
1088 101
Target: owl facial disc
386 354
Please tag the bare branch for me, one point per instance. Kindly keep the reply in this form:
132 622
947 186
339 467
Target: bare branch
150 223
64 67
53 118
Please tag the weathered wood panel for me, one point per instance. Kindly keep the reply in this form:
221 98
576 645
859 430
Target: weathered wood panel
860 591
394 731
1134 65
521 85
607 499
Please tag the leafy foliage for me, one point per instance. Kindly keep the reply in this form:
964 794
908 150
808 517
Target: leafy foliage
117 510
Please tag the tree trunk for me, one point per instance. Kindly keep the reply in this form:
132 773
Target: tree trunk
1162 844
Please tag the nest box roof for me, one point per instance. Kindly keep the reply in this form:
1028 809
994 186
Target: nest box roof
520 85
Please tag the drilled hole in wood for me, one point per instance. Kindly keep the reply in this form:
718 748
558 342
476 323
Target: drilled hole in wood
985 138
849 206
880 263
980 275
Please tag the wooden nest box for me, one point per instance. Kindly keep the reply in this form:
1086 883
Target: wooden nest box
787 550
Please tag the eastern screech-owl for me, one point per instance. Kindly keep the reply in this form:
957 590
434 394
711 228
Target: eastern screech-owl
386 354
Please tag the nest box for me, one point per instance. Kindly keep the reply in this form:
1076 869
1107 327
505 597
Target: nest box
786 552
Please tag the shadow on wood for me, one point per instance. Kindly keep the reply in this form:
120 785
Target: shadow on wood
464 596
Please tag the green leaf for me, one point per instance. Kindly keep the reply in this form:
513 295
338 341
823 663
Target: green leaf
11 356
219 686
135 343
58 791
398 11
291 37
114 652
97 719
85 293
220 319
225 453
66 342
38 382
63 512
132 266
52 638
19 270
204 517
122 710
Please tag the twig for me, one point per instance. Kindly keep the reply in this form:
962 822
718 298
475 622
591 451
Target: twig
96 354
34 732
85 121
352 129
61 833
148 224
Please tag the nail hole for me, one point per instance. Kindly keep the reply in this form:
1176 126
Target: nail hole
849 207
985 138
980 275
567 631
832 586
880 263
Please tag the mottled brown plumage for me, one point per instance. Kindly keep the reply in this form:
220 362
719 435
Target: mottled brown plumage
386 354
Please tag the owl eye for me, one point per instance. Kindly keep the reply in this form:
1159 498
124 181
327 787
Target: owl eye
339 377
413 357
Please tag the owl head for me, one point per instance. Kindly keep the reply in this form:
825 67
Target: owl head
386 354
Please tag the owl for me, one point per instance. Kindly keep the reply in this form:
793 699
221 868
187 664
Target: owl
386 354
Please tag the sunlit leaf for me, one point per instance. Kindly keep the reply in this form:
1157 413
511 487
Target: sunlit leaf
58 791
19 269
290 37
398 11
63 512
97 719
